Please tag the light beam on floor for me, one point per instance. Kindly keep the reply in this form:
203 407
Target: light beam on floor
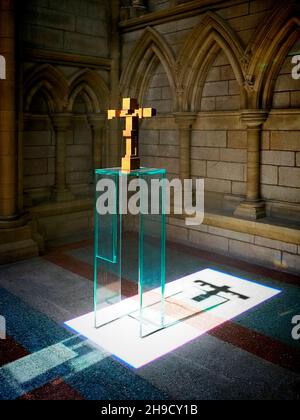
195 305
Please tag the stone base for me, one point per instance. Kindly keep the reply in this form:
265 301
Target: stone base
56 221
36 196
18 243
61 196
251 210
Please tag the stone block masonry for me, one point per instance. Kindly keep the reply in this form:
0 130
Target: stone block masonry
283 255
202 129
280 173
71 26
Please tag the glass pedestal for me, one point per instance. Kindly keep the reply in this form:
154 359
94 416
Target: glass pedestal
130 247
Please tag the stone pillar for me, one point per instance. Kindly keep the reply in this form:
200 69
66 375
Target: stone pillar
132 9
62 125
115 131
8 135
185 121
254 207
97 124
138 8
17 240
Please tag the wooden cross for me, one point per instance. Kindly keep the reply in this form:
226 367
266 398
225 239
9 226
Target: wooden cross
132 113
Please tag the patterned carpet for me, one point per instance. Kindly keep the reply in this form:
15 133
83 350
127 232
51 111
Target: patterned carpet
253 357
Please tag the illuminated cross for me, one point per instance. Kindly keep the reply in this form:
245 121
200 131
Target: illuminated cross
132 113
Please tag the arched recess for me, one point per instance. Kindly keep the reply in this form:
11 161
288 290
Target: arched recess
88 101
51 83
92 89
269 50
286 93
199 52
39 104
150 50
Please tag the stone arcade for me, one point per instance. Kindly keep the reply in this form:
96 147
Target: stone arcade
222 116
223 76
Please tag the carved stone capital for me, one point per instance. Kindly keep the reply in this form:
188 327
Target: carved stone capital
254 118
61 122
185 120
97 121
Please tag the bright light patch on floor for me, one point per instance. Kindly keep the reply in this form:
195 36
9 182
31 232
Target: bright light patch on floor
30 367
63 359
195 305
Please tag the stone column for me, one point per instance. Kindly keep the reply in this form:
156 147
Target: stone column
254 207
97 124
8 135
62 125
185 121
138 8
115 132
17 239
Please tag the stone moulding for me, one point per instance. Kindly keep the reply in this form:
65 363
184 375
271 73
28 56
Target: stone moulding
201 48
150 49
266 229
55 57
60 92
187 71
270 45
180 11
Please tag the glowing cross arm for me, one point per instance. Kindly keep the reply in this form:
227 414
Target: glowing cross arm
112 113
147 113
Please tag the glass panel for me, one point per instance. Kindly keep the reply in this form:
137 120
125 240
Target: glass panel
152 238
130 253
108 262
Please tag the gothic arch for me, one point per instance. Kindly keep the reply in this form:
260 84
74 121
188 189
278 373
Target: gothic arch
207 39
269 50
93 89
51 83
149 51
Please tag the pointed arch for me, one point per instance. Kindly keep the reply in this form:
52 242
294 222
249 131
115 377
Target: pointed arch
93 89
51 83
207 39
150 50
269 50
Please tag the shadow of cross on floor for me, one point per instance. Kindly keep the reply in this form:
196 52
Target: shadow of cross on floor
215 292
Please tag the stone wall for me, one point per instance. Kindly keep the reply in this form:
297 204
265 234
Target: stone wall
219 145
64 96
242 60
219 75
71 26
250 243
65 45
